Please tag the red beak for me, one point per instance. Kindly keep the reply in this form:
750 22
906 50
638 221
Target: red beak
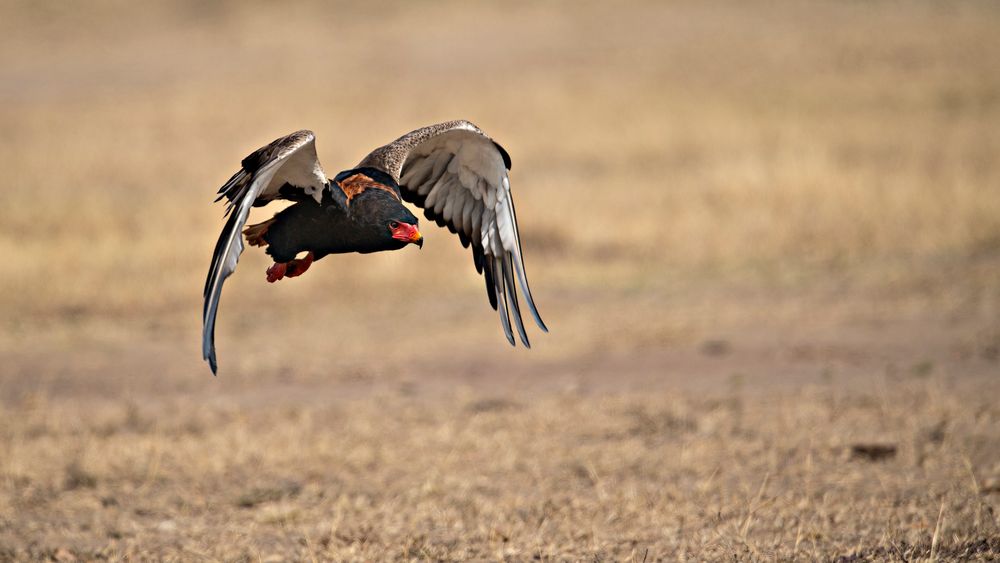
408 233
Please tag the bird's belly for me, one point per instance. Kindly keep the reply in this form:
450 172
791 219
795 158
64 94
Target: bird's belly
308 227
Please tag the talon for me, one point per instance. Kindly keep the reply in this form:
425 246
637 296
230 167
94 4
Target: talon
276 272
290 269
298 267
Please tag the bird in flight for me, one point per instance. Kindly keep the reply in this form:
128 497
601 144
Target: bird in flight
453 170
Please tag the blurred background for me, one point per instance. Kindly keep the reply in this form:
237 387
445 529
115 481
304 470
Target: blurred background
739 219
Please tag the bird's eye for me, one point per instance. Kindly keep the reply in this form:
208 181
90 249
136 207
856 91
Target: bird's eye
393 225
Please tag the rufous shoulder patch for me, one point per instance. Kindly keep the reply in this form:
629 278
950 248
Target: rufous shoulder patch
358 183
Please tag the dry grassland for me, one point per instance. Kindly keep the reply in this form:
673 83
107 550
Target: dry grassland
766 237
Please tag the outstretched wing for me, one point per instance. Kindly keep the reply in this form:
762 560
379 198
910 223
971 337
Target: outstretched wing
284 169
458 175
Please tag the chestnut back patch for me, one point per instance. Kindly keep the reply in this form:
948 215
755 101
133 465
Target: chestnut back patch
358 183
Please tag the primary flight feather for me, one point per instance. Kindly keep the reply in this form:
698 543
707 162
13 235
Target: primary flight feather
452 170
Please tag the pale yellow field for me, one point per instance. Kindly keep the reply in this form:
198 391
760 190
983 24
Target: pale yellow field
763 234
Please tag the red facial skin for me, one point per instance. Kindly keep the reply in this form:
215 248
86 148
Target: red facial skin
407 233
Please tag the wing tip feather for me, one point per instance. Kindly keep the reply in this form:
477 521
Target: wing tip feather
511 289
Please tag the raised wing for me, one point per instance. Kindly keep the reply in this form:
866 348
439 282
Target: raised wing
284 169
458 175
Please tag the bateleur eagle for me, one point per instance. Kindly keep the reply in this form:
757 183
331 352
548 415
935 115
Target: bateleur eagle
452 170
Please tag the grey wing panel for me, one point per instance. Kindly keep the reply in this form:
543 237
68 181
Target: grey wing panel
458 175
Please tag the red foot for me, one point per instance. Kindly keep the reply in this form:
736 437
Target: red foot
299 267
276 272
289 269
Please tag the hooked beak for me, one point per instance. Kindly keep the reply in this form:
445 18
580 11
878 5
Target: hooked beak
408 233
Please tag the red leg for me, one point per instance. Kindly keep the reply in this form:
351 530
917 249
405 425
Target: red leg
290 269
299 267
276 272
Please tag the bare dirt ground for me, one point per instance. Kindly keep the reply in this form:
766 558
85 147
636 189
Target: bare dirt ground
766 238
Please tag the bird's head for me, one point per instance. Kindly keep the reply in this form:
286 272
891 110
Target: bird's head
405 230
373 202
388 224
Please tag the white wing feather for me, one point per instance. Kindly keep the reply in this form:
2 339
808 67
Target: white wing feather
290 160
459 176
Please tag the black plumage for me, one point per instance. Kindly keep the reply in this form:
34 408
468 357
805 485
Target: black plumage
452 170
328 228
